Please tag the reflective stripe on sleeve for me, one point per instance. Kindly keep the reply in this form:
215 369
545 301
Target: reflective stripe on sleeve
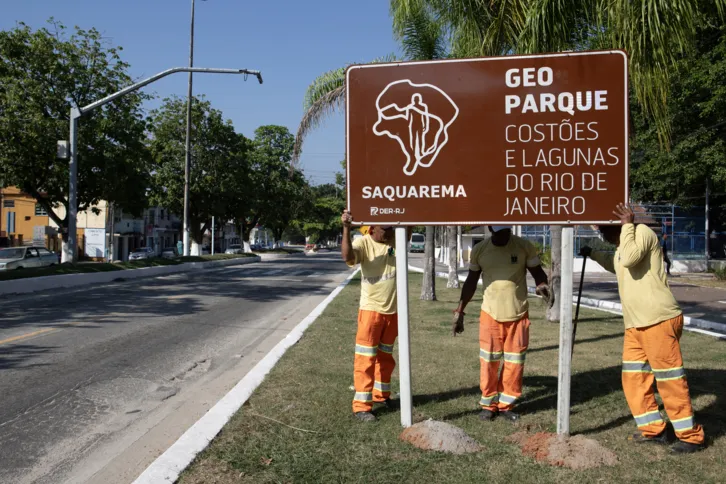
516 358
385 348
648 418
490 356
636 367
382 387
363 396
366 350
683 424
534 262
669 373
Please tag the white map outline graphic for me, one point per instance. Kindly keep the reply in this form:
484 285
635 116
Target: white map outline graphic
417 139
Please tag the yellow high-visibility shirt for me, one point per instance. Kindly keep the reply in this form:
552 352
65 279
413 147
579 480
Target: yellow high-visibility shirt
378 275
504 276
642 282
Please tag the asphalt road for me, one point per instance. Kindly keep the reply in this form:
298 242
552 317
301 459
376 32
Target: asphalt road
696 301
96 383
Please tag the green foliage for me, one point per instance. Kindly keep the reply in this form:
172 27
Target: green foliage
43 73
545 255
219 175
720 273
697 112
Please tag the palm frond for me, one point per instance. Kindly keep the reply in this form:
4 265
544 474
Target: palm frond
324 96
422 35
654 33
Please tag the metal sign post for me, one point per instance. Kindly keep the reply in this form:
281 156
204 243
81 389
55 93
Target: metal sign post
564 371
404 351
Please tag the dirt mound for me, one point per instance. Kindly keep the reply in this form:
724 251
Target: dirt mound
575 452
440 436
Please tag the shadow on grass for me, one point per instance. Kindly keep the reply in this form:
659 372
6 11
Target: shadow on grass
599 383
577 342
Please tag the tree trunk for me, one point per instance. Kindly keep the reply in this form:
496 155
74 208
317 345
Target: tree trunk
553 313
428 286
453 281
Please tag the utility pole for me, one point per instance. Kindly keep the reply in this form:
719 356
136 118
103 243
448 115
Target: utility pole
187 152
708 255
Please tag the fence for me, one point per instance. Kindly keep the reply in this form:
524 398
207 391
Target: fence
683 228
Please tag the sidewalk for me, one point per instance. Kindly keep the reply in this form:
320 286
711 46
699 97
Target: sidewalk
699 303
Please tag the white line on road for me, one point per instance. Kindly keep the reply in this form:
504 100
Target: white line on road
168 466
316 274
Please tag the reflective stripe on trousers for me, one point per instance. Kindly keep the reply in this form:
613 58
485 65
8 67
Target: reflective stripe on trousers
373 363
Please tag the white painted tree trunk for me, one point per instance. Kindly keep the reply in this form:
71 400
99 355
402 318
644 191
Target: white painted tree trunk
196 248
453 280
428 286
553 313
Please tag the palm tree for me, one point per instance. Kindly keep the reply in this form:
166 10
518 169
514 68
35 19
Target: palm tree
422 37
655 34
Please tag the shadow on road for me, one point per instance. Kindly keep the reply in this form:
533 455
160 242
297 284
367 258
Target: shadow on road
179 295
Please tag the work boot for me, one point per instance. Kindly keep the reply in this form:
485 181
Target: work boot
365 417
391 404
681 447
638 438
509 415
486 415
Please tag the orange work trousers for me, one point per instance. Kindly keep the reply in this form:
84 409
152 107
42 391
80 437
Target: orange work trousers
502 341
654 354
374 363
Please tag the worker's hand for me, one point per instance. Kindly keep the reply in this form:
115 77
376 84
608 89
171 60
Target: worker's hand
457 325
543 290
586 251
347 219
624 213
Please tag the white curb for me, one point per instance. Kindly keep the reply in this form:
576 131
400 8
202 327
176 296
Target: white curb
697 325
168 466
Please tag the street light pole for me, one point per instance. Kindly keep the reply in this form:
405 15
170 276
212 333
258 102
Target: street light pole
187 152
69 251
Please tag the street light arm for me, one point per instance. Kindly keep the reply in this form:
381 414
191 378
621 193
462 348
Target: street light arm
158 76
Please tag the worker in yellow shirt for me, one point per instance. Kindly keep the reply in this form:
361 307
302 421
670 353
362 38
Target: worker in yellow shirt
377 318
502 262
653 328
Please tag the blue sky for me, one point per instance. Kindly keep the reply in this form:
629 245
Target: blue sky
290 41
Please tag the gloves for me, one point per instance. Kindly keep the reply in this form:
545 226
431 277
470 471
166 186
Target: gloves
543 290
457 325
586 251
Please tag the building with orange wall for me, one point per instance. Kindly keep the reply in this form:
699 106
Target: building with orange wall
21 217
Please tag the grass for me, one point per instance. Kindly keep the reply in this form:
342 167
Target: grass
309 389
90 267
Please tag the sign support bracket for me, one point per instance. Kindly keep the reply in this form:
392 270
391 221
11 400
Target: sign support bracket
404 347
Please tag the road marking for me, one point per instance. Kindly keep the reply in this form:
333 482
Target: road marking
298 273
722 302
27 335
39 332
316 274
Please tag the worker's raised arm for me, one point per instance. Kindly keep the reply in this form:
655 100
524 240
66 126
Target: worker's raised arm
605 259
346 249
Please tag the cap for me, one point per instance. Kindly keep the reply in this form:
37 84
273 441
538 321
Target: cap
497 228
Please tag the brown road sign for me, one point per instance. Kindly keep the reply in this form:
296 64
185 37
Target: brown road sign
539 139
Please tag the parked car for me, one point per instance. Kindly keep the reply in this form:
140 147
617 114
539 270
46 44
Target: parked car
143 253
417 243
234 249
169 253
26 257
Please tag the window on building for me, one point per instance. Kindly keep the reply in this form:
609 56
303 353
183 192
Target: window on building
161 214
9 203
40 210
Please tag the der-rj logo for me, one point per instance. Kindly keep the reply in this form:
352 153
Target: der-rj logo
405 114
